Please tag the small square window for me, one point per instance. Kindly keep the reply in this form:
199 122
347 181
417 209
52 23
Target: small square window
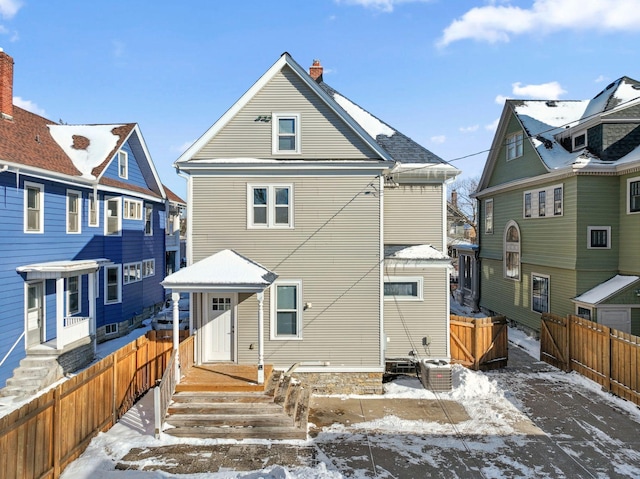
111 329
599 237
579 141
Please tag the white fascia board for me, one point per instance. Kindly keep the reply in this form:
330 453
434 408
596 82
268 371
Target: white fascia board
218 288
284 59
281 166
43 174
133 194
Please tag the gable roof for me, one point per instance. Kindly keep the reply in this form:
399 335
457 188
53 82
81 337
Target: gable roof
81 152
545 122
171 196
605 290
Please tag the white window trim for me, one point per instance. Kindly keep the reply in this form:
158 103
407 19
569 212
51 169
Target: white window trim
573 140
549 200
584 306
274 316
548 278
67 294
148 207
275 133
97 203
126 269
40 187
79 211
486 230
504 248
128 202
419 280
144 267
111 325
106 285
106 218
514 137
628 200
590 229
123 159
271 206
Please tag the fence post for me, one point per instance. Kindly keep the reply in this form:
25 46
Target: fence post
114 416
56 432
606 366
567 344
476 335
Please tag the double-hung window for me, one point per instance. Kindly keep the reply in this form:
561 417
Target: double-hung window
512 251
488 216
93 210
112 284
539 293
599 237
112 220
403 288
557 201
148 268
286 133
74 207
542 203
73 295
514 146
270 206
527 205
148 220
633 188
123 164
286 310
33 207
132 272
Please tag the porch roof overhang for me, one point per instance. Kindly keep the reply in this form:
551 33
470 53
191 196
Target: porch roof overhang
225 271
417 256
606 290
61 269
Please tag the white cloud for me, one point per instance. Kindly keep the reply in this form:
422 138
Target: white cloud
386 6
469 129
498 23
601 79
544 91
8 8
28 105
439 139
500 99
493 126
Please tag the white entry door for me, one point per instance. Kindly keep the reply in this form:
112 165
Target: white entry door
218 328
35 313
619 319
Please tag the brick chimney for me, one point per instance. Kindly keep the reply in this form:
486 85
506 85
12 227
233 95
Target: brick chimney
315 71
454 198
6 86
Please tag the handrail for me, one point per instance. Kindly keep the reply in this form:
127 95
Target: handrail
12 348
163 392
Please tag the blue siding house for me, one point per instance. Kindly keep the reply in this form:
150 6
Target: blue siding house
83 237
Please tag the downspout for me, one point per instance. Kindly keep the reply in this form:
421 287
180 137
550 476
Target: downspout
383 336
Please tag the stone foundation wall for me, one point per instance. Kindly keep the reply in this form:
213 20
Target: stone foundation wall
341 383
128 325
76 358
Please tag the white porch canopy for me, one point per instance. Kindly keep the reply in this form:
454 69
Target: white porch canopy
72 328
225 271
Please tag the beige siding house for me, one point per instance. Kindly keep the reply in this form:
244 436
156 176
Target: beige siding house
316 237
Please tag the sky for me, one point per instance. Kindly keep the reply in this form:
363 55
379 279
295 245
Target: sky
436 70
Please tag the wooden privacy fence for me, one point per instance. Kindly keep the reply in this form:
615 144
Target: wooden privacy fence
42 437
479 343
605 355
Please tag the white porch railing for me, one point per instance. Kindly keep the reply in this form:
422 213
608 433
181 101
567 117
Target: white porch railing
75 327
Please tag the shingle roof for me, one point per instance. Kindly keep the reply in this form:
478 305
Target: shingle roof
399 146
172 196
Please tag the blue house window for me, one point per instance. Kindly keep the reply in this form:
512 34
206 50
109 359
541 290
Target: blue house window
74 207
112 284
113 220
73 295
148 220
123 164
33 207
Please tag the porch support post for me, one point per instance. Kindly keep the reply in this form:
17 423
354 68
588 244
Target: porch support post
175 297
92 307
261 337
59 313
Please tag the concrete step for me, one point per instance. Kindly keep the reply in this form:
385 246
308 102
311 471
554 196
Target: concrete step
255 421
239 432
25 383
31 372
39 361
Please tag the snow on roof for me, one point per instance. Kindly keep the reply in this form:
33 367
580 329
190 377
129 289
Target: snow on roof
225 269
620 91
86 145
366 120
606 289
419 252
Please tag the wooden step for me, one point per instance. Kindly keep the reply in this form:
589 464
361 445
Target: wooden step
230 420
224 408
238 432
213 397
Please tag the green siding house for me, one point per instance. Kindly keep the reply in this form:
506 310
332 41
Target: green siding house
559 210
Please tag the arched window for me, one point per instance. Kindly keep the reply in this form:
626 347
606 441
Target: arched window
512 250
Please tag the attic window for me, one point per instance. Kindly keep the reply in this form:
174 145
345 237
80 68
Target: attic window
579 141
286 133
123 164
80 142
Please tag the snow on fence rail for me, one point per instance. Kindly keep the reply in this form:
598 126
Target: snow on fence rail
607 356
479 343
42 437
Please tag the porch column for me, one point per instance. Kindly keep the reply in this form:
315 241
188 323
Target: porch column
59 313
175 297
92 307
261 337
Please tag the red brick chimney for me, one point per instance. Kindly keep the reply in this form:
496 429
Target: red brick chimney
454 198
6 86
315 71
